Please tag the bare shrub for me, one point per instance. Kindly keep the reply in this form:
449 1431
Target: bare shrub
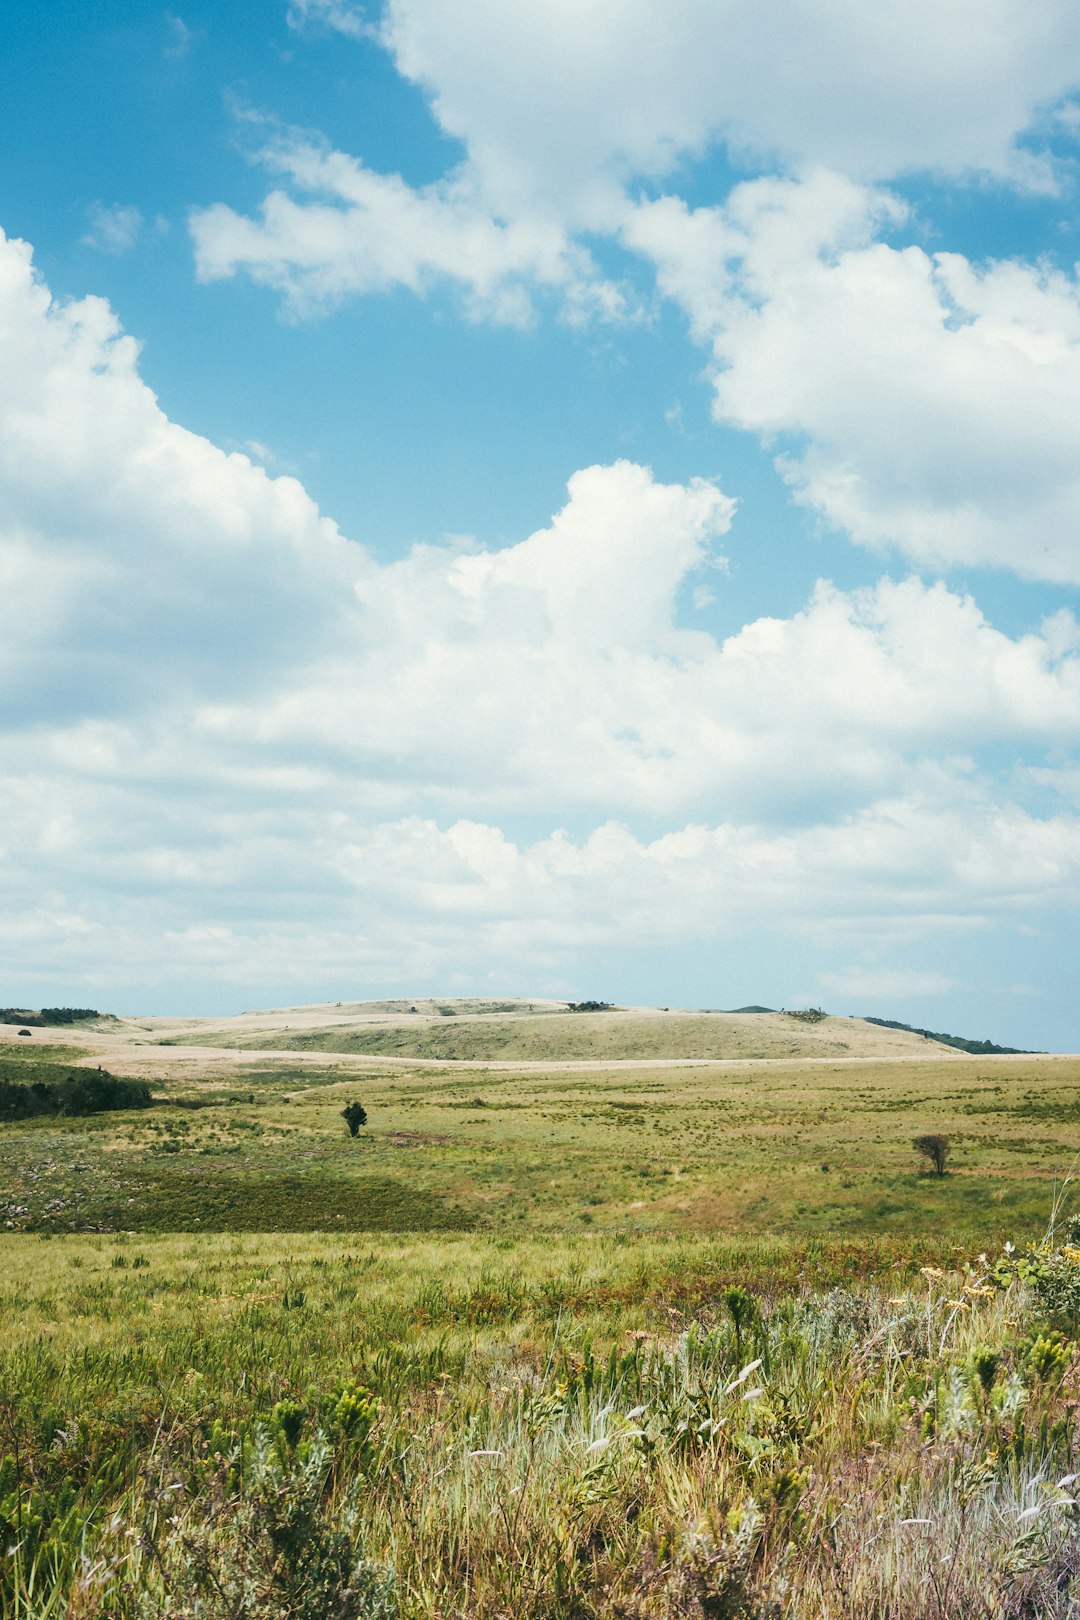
935 1149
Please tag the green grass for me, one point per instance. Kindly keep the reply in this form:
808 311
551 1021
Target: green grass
24 1064
484 1360
810 1149
550 1429
235 1200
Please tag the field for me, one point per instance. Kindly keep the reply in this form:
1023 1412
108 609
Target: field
807 1145
572 1335
472 1032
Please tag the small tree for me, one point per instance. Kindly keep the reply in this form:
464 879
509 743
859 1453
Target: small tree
935 1148
354 1114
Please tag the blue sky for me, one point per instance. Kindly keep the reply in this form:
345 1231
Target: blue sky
571 500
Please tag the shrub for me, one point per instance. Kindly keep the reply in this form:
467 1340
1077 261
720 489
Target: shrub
354 1114
705 1571
85 1091
277 1546
1046 1354
92 1091
935 1148
47 1017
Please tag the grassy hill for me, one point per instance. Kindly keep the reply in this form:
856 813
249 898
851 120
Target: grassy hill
459 1034
962 1043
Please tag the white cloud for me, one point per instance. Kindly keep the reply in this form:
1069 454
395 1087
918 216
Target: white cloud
254 896
559 101
922 402
489 681
933 404
114 230
908 854
181 37
219 715
561 108
136 550
357 231
552 673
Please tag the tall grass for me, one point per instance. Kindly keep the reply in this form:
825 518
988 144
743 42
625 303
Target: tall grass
452 1426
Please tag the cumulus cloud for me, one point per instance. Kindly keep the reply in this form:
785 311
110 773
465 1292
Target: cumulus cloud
222 720
133 548
187 891
486 685
568 101
557 668
351 230
929 403
914 855
920 401
560 109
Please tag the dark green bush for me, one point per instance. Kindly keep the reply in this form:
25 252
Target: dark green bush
47 1017
84 1091
354 1114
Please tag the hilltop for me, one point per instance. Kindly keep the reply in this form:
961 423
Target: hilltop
524 1031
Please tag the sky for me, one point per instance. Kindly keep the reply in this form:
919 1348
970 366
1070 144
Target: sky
578 498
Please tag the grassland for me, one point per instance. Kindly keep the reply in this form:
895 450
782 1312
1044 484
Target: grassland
556 1036
490 1358
794 1148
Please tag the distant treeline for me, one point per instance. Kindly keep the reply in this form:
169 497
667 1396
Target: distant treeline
48 1017
589 1006
85 1091
977 1048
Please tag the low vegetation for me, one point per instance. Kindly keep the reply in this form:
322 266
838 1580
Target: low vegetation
478 1427
584 1033
49 1017
607 1344
960 1042
82 1091
807 1149
935 1148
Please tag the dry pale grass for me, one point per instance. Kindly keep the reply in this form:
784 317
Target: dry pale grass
495 1035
